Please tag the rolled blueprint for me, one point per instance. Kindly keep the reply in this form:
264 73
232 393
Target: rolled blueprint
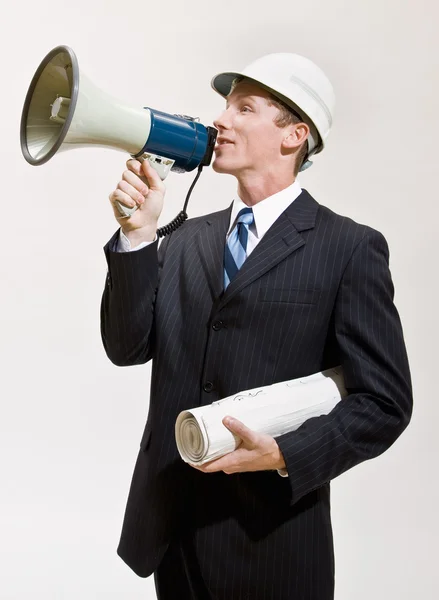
274 409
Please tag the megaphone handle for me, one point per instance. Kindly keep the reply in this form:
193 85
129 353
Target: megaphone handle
179 219
160 164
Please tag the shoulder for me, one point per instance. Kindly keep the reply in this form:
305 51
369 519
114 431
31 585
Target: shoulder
344 231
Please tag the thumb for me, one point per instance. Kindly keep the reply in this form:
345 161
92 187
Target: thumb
154 180
238 428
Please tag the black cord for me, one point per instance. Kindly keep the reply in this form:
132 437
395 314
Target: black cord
182 216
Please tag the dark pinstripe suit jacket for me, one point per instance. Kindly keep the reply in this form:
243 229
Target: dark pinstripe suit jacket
316 292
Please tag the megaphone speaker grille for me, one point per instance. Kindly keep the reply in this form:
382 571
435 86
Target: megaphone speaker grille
49 105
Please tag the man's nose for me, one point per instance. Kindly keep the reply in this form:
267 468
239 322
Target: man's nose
222 121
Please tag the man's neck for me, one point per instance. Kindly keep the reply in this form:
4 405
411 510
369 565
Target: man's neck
255 188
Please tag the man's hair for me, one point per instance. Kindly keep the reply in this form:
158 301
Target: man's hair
286 116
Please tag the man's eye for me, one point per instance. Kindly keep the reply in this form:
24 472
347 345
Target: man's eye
245 108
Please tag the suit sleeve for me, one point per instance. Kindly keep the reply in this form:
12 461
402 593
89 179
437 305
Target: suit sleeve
127 307
378 407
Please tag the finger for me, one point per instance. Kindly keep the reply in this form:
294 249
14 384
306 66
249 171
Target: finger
242 460
227 463
135 166
238 428
209 467
136 182
152 176
122 198
198 467
126 187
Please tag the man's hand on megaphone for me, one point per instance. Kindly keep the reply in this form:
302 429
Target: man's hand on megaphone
140 186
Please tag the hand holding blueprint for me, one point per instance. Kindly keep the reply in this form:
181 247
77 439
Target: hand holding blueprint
275 409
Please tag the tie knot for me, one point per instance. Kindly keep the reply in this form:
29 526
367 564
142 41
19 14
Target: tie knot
245 216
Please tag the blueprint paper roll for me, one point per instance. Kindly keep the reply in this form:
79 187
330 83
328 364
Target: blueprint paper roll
275 409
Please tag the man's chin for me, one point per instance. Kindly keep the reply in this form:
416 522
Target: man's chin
220 166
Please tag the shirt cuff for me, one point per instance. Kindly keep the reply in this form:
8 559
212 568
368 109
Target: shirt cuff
124 245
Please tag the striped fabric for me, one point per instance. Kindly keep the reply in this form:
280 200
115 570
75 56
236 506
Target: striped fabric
316 292
235 250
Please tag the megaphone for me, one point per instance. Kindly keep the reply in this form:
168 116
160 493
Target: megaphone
63 110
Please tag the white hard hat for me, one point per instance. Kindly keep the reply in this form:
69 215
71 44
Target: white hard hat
299 83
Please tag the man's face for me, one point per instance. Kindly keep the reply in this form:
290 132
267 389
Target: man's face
248 139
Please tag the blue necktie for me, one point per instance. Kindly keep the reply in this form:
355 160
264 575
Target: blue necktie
235 251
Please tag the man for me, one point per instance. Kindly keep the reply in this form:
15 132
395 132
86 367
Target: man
273 288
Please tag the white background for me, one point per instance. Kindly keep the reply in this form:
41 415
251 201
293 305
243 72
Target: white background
70 421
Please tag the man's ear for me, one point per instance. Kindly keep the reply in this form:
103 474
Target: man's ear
295 135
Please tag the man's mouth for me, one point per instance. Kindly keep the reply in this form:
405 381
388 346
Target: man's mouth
222 142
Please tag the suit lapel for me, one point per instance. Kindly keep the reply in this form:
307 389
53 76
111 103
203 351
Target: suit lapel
282 239
211 241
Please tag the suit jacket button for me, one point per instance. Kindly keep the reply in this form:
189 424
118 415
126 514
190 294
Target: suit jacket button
217 325
208 386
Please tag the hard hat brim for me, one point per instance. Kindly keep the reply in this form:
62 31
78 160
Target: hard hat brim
222 83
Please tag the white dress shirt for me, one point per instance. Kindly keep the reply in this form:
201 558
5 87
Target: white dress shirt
265 214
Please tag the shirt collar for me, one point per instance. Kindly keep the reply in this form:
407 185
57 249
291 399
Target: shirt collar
268 210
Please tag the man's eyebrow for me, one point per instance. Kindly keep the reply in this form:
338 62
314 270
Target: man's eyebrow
244 97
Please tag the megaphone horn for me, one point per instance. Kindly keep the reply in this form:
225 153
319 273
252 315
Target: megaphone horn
63 110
